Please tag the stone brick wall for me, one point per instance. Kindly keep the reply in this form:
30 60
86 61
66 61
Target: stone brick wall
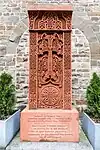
85 43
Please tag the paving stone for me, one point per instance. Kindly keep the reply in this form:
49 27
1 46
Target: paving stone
82 145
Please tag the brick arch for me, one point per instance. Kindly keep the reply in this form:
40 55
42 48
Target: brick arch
85 24
80 66
16 34
78 22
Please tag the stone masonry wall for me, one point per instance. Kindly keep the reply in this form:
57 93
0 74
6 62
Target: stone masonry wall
85 39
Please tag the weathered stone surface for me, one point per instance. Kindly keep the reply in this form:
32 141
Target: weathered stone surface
15 37
2 27
96 28
98 63
95 18
25 21
2 50
2 61
98 34
13 19
94 62
10 60
95 48
89 34
11 47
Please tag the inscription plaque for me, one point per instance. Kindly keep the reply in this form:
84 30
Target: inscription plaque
53 125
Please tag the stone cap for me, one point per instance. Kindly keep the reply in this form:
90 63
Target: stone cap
50 7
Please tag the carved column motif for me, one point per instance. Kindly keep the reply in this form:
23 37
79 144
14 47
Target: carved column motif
67 71
32 71
50 60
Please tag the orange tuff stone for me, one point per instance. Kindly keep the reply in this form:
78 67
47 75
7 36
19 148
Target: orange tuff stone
49 125
50 57
49 115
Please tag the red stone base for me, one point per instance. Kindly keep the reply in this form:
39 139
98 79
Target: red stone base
49 125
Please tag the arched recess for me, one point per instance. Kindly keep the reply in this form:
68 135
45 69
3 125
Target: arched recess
85 24
80 22
80 66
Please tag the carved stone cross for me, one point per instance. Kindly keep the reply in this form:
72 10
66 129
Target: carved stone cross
50 47
50 59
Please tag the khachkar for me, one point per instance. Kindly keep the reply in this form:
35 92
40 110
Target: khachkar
49 115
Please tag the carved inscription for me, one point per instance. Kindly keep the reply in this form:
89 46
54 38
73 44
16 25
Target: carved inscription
49 126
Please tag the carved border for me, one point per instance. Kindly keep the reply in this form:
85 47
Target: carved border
67 71
32 71
62 20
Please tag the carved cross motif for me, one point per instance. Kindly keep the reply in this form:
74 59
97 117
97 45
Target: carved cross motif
50 49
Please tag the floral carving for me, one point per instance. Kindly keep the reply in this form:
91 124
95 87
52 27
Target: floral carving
68 18
50 21
50 55
32 17
50 96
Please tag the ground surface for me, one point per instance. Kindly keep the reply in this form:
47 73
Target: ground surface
82 145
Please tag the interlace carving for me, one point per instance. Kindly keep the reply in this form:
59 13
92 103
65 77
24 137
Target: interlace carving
50 21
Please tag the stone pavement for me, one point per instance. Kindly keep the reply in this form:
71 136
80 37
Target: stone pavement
82 145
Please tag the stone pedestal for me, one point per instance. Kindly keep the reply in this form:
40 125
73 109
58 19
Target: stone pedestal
49 125
49 116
